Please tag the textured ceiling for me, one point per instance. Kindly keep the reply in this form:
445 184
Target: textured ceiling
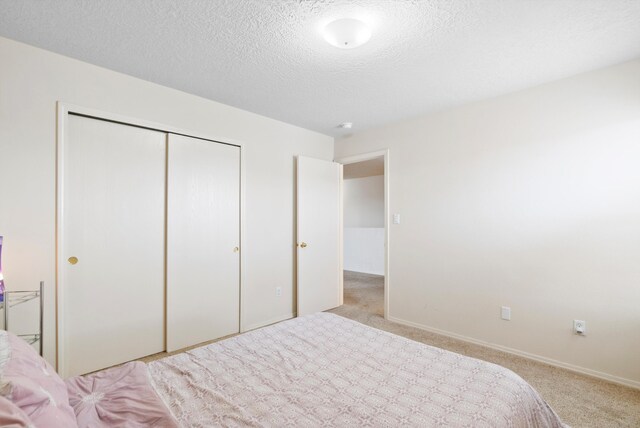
270 58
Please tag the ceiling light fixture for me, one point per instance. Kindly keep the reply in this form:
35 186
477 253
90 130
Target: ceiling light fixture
347 33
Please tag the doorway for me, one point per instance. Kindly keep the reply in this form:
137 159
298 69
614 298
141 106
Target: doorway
364 234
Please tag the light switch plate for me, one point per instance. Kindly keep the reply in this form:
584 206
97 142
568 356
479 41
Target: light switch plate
396 219
505 313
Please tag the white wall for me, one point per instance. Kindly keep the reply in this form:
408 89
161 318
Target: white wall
530 200
364 201
364 250
32 80
364 224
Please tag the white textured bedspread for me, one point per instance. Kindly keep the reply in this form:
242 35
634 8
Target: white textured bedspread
325 370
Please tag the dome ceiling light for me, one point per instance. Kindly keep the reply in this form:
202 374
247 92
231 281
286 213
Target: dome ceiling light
347 33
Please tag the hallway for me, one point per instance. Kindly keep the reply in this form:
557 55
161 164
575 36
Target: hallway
363 297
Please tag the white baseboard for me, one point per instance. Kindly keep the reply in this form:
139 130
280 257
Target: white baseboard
577 369
362 271
268 322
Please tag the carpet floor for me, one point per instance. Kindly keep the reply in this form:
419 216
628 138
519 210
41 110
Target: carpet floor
581 401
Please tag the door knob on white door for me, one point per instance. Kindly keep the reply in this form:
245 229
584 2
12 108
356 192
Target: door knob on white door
303 244
236 249
72 260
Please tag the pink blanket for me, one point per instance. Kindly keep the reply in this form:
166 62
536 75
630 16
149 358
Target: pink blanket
118 397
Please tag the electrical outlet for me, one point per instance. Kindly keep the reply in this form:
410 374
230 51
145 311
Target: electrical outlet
278 291
580 327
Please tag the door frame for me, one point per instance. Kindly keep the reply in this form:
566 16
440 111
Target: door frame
63 110
360 158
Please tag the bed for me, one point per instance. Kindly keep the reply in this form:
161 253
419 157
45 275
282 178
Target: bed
317 370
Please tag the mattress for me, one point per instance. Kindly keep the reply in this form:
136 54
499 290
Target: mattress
326 370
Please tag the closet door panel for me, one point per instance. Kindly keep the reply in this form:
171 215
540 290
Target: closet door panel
203 239
112 282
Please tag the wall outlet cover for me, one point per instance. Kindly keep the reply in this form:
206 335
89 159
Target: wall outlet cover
580 327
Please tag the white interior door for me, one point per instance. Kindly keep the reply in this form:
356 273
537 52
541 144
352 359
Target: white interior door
112 253
203 239
319 247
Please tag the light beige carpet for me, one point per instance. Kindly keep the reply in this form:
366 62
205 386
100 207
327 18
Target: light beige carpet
580 401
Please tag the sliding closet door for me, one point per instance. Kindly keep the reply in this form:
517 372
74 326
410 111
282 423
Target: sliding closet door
203 240
112 267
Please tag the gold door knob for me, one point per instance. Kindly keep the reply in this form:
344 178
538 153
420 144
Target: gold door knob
236 249
72 260
303 244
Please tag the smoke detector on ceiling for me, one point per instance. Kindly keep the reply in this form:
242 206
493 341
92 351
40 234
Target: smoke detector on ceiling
346 125
347 33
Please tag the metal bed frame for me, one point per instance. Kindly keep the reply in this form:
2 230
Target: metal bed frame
22 297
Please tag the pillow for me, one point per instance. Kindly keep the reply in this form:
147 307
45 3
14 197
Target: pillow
120 396
11 416
30 382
